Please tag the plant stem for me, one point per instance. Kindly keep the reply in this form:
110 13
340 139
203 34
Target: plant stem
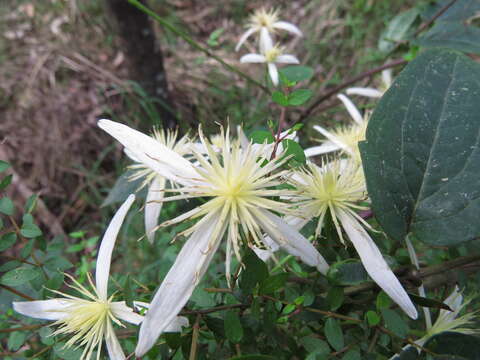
196 330
16 292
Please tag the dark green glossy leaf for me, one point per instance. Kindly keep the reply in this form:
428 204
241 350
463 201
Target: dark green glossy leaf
335 297
397 30
253 357
273 283
395 323
334 334
233 326
315 345
452 35
421 156
296 73
456 344
299 97
19 276
410 353
254 272
460 10
426 302
261 136
347 272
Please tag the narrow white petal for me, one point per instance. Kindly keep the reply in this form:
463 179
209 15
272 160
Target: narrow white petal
151 153
123 312
153 206
287 59
332 138
325 148
42 309
272 70
131 155
253 58
178 285
266 41
454 301
244 37
263 254
387 78
292 241
283 25
375 264
104 257
244 142
115 351
368 92
351 108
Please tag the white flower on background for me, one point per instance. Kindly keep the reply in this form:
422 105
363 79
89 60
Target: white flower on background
271 55
344 138
266 22
239 190
337 188
157 183
372 92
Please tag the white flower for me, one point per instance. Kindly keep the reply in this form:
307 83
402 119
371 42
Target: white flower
337 188
344 138
157 183
88 321
266 22
239 190
372 92
270 56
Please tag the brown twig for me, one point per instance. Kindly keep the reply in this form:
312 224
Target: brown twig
16 292
23 328
195 333
429 22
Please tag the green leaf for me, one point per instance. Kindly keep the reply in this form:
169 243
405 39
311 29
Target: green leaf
213 38
395 323
352 355
335 297
397 30
452 35
253 357
421 157
233 327
410 353
7 240
372 318
296 73
58 263
27 249
334 334
273 283
128 293
255 271
7 180
426 302
299 97
347 272
19 276
261 136
280 98
6 206
31 203
315 345
215 325
124 187
4 165
16 339
30 230
456 344
460 11
383 301
293 148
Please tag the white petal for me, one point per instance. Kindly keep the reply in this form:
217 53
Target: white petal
351 108
244 142
253 58
387 78
272 70
178 285
115 351
368 92
42 309
104 257
177 323
454 301
292 241
325 148
244 37
288 27
123 312
374 263
332 138
263 254
266 41
287 59
153 206
151 153
131 155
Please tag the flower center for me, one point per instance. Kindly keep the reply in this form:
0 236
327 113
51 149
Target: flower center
272 54
264 18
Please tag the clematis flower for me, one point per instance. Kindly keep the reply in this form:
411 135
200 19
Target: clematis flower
88 320
239 208
344 138
157 183
266 22
372 92
270 56
337 188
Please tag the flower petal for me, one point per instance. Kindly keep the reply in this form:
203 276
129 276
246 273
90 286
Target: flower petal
123 312
151 153
176 324
178 285
291 240
375 264
266 41
287 59
368 92
283 25
351 108
387 78
104 257
42 309
253 58
153 206
244 37
115 351
333 139
325 148
272 70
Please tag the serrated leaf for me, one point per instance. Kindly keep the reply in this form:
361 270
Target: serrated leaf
6 206
395 323
334 334
296 73
7 240
421 157
299 97
19 276
397 30
261 136
233 327
280 98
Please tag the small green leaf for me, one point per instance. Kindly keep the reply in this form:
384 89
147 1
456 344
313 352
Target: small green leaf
395 323
273 283
334 334
58 263
19 276
299 97
75 248
383 301
293 148
77 234
426 302
7 180
255 271
296 73
372 318
289 309
16 339
30 230
27 249
6 206
296 127
4 165
347 272
7 240
335 297
261 136
397 30
280 98
315 345
31 203
214 36
128 293
233 327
